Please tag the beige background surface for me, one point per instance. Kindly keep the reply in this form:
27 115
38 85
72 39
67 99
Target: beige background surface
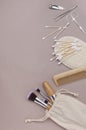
24 59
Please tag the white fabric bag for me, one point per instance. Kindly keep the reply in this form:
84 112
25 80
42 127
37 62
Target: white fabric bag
66 111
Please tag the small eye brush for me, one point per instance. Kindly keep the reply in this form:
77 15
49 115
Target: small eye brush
47 99
33 97
42 94
49 90
48 102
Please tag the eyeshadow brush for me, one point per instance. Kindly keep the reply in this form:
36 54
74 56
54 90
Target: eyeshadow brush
49 90
47 99
33 97
42 94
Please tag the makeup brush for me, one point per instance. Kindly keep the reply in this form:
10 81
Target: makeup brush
33 97
47 98
42 94
49 90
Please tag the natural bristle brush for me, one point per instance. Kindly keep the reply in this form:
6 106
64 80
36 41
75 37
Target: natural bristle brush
55 7
46 97
33 97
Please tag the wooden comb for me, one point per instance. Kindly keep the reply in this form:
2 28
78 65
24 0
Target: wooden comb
69 76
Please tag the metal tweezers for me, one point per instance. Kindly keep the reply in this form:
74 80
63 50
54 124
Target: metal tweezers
65 13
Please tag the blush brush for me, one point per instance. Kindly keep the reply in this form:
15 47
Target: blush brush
33 97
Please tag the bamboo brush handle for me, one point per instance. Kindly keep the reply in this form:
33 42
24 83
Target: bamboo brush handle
48 89
48 107
70 76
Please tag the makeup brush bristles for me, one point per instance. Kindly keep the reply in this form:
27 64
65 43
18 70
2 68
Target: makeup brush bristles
38 90
43 94
32 97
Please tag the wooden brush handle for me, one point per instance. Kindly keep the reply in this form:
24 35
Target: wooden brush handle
48 89
69 76
48 107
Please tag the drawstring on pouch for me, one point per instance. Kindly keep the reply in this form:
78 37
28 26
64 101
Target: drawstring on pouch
45 117
37 120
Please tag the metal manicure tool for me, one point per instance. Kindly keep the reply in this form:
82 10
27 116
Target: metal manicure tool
59 30
55 7
73 16
59 17
62 15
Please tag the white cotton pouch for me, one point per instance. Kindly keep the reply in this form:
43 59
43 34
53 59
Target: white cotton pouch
67 111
